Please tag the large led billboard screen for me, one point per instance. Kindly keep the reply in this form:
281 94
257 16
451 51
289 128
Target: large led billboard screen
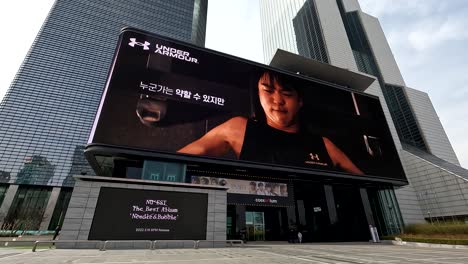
168 97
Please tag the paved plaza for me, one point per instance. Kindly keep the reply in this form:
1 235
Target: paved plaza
285 253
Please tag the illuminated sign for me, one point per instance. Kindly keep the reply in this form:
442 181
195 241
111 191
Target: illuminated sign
260 188
170 98
127 214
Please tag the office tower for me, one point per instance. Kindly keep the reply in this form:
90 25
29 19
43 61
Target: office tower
337 32
47 114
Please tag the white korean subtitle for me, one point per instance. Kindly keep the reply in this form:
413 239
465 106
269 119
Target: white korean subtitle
156 88
185 94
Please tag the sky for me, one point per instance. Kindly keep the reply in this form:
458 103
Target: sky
428 39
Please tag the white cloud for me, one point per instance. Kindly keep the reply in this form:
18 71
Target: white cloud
381 8
453 119
234 27
431 33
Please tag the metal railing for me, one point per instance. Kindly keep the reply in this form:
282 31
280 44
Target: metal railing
126 241
65 241
152 244
232 241
155 242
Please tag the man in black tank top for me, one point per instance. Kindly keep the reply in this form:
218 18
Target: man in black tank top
265 144
279 139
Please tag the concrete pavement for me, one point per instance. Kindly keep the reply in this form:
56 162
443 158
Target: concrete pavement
258 254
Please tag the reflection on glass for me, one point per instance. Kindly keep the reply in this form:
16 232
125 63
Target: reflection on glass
36 170
248 218
373 146
258 217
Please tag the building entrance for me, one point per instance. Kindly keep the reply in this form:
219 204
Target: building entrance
321 212
255 226
257 223
330 212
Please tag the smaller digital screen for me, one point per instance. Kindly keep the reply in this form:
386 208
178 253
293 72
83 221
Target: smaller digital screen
257 193
261 188
127 214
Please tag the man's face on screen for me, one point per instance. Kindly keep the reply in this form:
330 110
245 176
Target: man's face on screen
280 104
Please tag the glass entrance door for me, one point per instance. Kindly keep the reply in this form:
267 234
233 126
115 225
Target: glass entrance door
255 225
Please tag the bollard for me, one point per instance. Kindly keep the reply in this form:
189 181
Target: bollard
376 234
371 230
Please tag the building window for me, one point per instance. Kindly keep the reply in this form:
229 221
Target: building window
60 208
387 215
403 117
308 33
3 190
27 210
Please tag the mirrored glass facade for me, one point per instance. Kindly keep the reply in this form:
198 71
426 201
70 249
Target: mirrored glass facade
48 112
308 33
277 26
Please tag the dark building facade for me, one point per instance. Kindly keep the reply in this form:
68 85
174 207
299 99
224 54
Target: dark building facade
47 114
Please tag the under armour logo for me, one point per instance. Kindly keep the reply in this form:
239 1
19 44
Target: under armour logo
133 42
314 156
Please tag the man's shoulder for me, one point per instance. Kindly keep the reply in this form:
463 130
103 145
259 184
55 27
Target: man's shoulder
234 129
235 124
238 120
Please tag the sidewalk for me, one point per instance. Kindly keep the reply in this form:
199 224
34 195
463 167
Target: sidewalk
256 253
24 241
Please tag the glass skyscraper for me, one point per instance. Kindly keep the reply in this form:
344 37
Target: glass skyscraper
47 114
337 32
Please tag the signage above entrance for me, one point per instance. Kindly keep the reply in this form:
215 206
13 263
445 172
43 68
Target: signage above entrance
260 188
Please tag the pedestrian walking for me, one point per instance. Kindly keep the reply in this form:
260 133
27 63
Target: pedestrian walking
57 231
